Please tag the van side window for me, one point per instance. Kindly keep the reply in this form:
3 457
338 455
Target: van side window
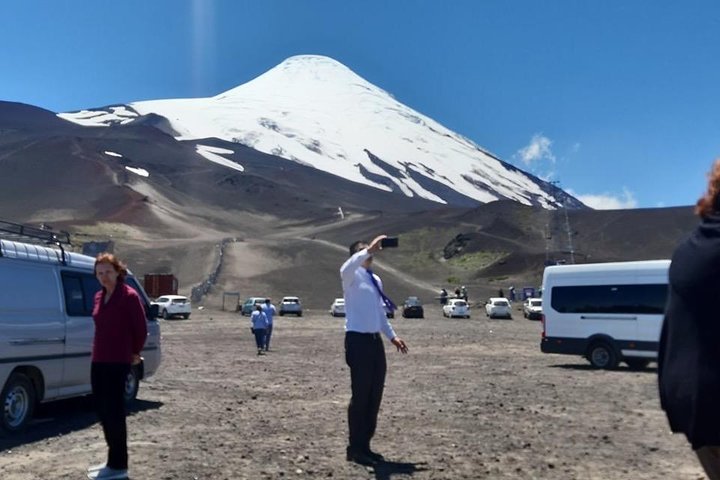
80 290
628 299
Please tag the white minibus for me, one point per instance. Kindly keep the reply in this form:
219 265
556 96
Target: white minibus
606 312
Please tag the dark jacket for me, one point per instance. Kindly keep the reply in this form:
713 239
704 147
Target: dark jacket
120 325
689 356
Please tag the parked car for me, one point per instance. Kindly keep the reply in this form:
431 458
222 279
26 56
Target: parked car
173 305
337 309
532 308
498 307
249 305
291 305
456 307
412 308
46 342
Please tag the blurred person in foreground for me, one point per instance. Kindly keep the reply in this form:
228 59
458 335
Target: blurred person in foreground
689 354
120 333
366 306
258 327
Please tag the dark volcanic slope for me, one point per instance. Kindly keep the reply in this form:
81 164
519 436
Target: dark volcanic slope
506 240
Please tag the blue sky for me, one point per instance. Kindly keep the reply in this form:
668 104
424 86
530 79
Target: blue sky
617 99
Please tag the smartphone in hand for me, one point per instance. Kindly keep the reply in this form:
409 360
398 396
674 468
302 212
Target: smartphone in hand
389 242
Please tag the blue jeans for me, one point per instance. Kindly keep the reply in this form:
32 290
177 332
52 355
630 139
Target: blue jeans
268 334
260 338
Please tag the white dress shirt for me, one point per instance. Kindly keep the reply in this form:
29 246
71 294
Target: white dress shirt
364 308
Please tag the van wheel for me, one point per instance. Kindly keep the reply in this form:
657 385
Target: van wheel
165 314
186 316
18 401
602 355
637 363
132 385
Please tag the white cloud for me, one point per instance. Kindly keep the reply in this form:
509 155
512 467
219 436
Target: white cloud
537 149
608 201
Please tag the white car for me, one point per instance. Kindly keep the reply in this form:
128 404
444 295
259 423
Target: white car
456 307
172 305
498 307
337 309
291 305
532 308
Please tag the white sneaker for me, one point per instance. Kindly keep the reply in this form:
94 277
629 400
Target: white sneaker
106 473
95 468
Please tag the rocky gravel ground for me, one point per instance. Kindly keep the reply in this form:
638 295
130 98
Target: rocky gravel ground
473 399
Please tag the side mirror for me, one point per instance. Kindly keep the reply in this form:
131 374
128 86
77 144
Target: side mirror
154 311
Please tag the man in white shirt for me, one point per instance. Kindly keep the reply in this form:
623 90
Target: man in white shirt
366 306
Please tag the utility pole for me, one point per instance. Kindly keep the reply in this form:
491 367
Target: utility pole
568 230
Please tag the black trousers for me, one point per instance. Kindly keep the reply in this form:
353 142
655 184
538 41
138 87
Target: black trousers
108 386
365 355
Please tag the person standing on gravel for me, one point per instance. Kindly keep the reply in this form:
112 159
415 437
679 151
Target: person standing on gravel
365 318
689 356
120 333
269 310
259 323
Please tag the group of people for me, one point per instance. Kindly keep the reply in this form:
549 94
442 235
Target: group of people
261 325
688 358
460 292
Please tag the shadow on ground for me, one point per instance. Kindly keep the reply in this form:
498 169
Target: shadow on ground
386 469
61 418
588 367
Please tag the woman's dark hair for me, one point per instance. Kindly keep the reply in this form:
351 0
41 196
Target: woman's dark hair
710 202
119 267
357 246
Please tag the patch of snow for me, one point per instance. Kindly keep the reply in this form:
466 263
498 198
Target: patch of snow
211 153
112 154
139 171
101 118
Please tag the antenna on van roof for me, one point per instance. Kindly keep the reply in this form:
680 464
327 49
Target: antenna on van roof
19 232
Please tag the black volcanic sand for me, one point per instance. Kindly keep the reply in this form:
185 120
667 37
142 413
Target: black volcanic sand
473 399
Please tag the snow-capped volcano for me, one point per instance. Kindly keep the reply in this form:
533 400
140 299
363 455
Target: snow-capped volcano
315 111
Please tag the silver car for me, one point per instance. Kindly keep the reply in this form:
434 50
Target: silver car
291 305
337 309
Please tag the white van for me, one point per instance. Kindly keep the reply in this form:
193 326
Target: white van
606 312
46 329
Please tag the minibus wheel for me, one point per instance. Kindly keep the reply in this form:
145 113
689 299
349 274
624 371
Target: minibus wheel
18 403
602 355
132 385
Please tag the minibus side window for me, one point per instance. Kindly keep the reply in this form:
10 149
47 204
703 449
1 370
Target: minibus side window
610 299
74 304
80 290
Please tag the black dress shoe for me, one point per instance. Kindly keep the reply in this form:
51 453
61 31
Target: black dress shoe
359 457
374 455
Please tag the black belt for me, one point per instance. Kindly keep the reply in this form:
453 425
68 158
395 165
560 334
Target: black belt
375 335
